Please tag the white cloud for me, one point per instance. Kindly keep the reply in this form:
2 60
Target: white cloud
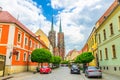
97 7
27 12
78 17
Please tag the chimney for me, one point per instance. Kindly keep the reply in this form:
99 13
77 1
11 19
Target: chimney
0 9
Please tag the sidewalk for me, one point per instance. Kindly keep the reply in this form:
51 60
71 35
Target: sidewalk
16 75
24 74
105 76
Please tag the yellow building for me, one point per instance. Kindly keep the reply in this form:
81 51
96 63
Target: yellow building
44 38
71 56
92 47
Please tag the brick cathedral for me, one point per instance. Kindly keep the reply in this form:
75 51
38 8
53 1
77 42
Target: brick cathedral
59 48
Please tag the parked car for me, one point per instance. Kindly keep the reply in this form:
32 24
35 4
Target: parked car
45 69
64 65
75 69
92 71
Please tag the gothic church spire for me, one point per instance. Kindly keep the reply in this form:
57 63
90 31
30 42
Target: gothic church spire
52 28
60 28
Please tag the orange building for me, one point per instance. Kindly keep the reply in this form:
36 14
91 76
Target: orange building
16 44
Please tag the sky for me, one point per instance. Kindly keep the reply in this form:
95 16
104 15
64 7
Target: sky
78 17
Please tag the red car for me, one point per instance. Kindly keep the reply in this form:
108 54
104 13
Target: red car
45 69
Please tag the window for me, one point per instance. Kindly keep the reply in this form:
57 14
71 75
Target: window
29 57
17 56
115 68
36 46
19 37
104 33
99 39
0 33
104 67
113 51
30 43
111 29
24 57
107 67
100 55
106 53
119 22
26 40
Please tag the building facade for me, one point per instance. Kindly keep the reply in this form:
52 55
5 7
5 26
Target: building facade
92 47
71 56
16 44
108 39
44 37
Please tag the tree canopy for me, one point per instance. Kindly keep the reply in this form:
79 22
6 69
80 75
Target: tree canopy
41 55
56 60
85 57
64 62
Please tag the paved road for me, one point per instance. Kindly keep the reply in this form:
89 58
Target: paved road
62 73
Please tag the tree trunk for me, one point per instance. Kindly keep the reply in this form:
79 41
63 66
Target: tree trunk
41 64
38 67
84 67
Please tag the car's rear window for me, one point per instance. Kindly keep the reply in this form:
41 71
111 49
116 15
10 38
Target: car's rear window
92 68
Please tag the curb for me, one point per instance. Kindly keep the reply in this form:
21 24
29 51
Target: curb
8 77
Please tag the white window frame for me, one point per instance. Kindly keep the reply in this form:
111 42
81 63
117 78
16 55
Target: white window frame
18 54
30 43
20 37
118 22
29 57
25 56
26 42
0 33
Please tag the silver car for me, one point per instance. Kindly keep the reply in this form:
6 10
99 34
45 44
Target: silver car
92 71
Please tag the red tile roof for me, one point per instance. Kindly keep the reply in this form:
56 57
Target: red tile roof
107 13
5 17
8 18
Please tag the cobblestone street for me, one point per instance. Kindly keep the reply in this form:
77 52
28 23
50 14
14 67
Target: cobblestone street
62 73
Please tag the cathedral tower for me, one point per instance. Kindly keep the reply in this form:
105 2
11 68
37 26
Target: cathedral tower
61 46
52 37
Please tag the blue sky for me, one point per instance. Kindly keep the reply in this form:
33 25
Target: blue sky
78 17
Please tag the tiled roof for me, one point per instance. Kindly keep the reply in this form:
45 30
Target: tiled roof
107 13
6 17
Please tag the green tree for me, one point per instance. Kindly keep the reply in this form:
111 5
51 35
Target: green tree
56 60
65 62
84 58
41 55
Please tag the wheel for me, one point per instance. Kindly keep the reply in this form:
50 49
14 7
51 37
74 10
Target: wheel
100 76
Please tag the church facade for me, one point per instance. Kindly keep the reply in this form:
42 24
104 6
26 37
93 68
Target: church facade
59 48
